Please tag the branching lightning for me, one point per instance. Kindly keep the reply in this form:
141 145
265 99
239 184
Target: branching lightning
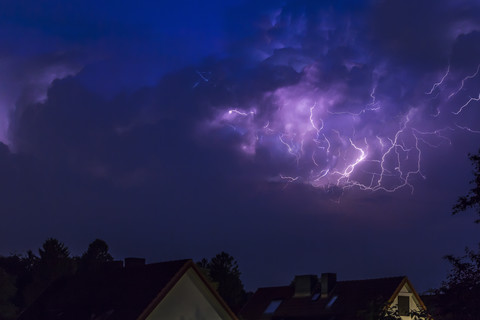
365 127
333 148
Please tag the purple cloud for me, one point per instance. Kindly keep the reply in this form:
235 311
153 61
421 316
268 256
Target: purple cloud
354 115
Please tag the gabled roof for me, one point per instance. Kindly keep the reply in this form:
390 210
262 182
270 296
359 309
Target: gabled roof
348 300
116 294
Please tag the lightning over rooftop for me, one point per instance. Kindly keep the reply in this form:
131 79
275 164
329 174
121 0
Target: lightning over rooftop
294 134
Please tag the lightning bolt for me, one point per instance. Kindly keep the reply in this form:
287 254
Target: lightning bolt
466 104
288 178
467 129
435 85
463 82
242 113
312 121
351 167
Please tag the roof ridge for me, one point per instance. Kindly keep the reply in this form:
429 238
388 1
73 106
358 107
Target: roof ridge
166 262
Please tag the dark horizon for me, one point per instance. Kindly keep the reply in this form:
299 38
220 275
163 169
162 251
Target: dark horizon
301 137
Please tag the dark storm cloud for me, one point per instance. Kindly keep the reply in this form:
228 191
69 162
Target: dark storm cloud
421 33
413 32
140 137
115 46
466 50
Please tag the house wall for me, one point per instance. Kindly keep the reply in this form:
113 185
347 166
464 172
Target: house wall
414 304
189 299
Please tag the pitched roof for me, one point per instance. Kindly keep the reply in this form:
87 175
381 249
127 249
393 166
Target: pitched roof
116 294
348 300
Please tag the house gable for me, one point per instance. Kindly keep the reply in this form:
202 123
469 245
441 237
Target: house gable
406 294
202 302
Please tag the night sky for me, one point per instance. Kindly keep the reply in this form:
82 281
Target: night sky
301 137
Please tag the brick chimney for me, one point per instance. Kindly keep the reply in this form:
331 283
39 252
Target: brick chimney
328 281
304 285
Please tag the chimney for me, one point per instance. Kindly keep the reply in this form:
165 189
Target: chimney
304 285
134 262
328 281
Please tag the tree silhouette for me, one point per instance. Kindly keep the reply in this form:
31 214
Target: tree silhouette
95 257
19 268
223 270
472 198
54 262
458 296
24 277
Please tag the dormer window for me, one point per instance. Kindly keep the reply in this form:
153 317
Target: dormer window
403 305
272 307
331 302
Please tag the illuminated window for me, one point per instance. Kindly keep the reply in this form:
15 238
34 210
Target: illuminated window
273 306
403 305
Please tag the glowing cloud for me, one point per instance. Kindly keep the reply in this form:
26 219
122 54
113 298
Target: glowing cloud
353 119
27 82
